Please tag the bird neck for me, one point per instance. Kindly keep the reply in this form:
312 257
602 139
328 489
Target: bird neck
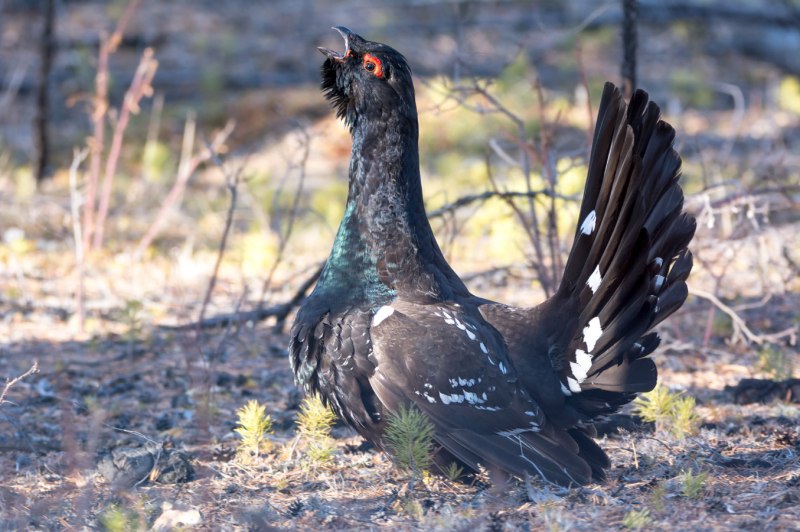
385 188
385 244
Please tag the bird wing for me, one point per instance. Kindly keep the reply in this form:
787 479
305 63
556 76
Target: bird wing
331 352
454 367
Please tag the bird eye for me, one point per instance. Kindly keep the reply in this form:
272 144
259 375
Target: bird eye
373 64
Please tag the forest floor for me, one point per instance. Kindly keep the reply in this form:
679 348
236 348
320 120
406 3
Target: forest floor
130 421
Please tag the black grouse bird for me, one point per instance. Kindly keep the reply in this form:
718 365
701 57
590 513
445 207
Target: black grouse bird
512 389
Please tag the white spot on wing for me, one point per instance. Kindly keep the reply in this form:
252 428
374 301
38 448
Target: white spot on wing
470 334
659 282
483 348
503 368
587 227
473 399
592 333
595 279
451 398
383 313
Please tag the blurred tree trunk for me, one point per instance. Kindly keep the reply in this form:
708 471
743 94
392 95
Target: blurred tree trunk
43 92
629 22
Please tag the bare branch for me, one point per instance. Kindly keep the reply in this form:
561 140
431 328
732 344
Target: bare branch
139 88
489 194
15 380
740 327
232 184
185 171
99 109
286 235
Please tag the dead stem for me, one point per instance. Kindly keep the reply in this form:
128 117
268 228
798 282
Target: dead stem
11 382
77 158
139 88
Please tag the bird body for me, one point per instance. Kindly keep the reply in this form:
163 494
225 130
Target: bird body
390 324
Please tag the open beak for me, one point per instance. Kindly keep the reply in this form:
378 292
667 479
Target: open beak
336 56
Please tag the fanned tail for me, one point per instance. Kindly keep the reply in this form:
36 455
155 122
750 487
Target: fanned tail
629 261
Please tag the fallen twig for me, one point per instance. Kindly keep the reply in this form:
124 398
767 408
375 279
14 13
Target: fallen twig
279 312
740 327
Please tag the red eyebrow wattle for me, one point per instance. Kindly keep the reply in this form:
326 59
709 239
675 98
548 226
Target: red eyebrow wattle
369 58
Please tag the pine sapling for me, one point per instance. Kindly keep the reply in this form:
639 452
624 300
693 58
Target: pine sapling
254 425
314 423
637 519
693 485
655 406
409 438
671 412
684 418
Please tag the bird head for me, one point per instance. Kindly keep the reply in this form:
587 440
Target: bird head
369 79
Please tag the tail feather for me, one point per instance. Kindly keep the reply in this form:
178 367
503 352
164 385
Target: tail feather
629 262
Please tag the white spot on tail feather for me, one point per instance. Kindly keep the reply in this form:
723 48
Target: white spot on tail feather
592 333
565 390
578 371
587 227
383 313
574 386
595 279
583 359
